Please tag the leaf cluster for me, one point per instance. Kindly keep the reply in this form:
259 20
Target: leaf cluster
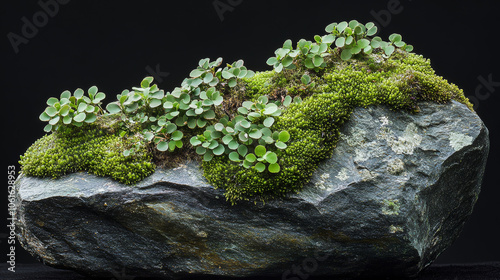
72 109
248 138
347 38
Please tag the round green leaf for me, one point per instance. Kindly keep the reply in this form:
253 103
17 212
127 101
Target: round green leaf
219 150
78 93
162 146
55 120
340 42
274 168
251 158
155 103
51 111
219 126
67 119
287 61
66 94
209 115
171 128
196 73
260 167
233 145
389 50
234 156
177 135
200 150
171 145
51 101
245 124
268 122
243 110
271 157
208 156
280 145
47 128
89 109
331 27
318 60
372 31
92 90
346 54
90 118
195 141
80 117
363 43
113 108
243 136
82 106
226 139
271 108
242 150
306 79
342 26
287 101
260 151
284 136
44 117
272 61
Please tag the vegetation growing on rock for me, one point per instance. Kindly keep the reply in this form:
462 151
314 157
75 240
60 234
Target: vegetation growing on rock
260 135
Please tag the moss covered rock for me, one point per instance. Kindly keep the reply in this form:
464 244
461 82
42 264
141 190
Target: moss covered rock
394 194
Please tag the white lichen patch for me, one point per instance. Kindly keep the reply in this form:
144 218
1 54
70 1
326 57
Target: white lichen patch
356 138
459 140
396 167
384 120
407 143
342 176
366 175
395 229
391 207
321 183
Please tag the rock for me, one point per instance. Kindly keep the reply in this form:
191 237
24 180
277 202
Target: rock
395 194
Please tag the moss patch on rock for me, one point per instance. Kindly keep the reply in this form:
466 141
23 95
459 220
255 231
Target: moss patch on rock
88 148
399 82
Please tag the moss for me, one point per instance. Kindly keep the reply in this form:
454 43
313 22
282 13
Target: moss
87 148
400 82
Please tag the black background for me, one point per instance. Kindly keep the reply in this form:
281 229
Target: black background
111 44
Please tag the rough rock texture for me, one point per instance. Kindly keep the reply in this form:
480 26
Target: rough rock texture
396 193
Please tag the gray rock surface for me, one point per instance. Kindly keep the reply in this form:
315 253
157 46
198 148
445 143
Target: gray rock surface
395 194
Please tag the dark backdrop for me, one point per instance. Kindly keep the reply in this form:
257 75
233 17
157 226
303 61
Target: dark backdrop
48 48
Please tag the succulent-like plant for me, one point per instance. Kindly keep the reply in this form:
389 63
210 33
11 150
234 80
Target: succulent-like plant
75 109
239 138
351 38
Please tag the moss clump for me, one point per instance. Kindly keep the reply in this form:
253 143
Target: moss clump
87 148
398 82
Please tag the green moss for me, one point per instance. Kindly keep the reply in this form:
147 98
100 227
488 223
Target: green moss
87 148
400 82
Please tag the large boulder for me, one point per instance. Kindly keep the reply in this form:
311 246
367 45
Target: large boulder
395 193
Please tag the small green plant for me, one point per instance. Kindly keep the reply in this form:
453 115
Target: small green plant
239 138
74 110
350 38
